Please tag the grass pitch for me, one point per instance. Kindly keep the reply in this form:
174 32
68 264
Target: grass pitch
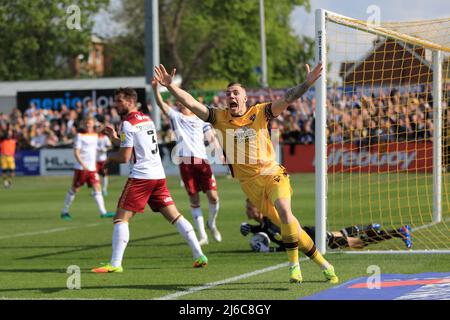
37 247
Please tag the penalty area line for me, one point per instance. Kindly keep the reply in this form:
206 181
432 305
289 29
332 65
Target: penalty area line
225 281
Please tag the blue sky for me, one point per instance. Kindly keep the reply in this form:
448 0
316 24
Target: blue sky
390 10
357 44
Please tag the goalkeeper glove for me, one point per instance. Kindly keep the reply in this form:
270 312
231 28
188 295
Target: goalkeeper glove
245 228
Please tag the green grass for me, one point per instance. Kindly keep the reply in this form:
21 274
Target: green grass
157 262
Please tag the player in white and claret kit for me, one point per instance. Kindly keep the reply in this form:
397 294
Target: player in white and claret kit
146 183
85 151
195 170
104 145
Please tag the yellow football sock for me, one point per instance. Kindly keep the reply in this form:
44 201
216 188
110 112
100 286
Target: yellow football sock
306 245
289 236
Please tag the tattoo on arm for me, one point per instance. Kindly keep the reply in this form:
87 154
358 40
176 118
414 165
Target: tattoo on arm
296 92
211 115
268 112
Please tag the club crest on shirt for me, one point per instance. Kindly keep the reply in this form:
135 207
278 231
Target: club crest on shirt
244 133
253 117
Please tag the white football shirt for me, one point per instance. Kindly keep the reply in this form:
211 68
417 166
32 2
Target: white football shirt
189 132
103 146
87 144
138 132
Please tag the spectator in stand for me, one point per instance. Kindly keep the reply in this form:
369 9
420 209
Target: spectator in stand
100 115
292 132
115 118
52 139
376 118
72 122
307 136
39 138
217 103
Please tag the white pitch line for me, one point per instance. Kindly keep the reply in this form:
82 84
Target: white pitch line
429 225
254 273
26 234
226 281
368 252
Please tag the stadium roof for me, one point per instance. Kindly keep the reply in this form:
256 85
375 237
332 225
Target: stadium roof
10 88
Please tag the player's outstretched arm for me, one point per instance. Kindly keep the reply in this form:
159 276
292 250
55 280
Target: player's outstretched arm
166 80
296 92
159 101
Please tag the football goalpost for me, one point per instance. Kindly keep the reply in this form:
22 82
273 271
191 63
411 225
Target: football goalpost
382 127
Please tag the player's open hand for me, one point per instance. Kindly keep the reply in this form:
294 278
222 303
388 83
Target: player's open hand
110 131
163 77
312 76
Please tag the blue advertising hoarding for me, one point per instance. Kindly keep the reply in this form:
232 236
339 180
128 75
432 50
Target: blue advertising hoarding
27 163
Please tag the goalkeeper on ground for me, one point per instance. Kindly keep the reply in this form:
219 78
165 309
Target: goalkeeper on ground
357 236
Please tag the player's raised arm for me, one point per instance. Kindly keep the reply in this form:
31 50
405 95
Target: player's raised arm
296 92
166 80
159 101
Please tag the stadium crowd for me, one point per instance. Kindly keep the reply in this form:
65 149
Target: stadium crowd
357 118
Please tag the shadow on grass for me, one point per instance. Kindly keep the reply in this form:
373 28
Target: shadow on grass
15 270
243 251
157 287
23 218
93 247
83 270
151 287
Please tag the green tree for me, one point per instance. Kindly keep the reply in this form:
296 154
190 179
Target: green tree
125 52
214 41
36 42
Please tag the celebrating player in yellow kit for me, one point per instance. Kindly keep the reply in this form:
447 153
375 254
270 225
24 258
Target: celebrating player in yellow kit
242 131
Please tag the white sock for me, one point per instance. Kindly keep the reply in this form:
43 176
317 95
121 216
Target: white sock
199 222
100 202
105 184
187 231
213 211
70 196
121 235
